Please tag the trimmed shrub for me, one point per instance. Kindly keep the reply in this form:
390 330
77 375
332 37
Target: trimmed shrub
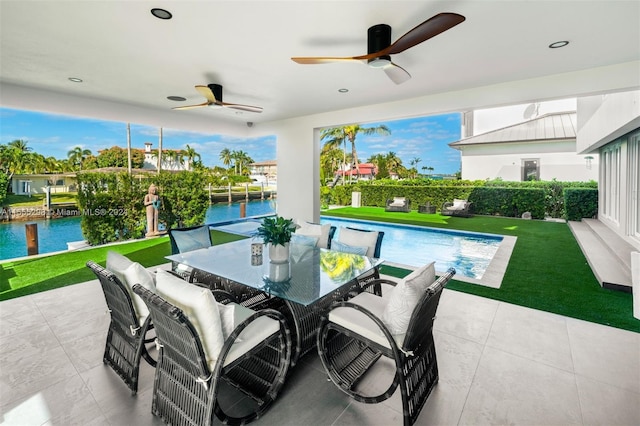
580 203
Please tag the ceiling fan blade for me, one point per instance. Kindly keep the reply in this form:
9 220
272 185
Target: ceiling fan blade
324 60
192 106
396 73
206 92
248 108
430 28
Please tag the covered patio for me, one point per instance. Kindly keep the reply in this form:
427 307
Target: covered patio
499 364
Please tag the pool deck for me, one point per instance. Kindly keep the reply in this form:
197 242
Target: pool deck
499 364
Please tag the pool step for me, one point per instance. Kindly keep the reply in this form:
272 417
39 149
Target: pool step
608 255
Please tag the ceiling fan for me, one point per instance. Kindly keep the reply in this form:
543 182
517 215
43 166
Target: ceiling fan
380 48
213 94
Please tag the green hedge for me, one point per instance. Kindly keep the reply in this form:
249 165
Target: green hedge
510 202
112 204
4 183
580 202
540 198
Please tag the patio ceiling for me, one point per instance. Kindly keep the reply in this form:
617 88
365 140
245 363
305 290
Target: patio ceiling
130 61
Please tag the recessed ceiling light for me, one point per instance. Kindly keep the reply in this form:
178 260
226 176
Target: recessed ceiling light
75 79
558 44
176 98
161 13
343 90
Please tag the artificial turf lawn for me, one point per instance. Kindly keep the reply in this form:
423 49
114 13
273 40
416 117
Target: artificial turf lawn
547 270
29 276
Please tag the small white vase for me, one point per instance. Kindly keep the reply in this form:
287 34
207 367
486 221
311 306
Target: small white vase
279 253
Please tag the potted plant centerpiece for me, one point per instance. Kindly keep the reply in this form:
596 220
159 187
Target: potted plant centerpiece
276 232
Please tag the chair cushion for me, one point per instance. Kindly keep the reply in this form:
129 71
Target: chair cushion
304 240
130 273
315 230
138 274
404 298
255 333
192 239
358 322
458 204
357 238
200 307
346 248
398 202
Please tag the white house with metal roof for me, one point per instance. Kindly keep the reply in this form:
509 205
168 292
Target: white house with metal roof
543 148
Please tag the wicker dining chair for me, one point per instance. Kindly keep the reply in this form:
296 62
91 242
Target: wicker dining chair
126 337
372 240
183 240
354 335
186 387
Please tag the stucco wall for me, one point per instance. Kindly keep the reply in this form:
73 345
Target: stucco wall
604 118
557 160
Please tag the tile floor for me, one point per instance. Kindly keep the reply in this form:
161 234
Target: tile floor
499 364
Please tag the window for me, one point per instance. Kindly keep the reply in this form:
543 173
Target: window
530 169
611 157
25 187
633 200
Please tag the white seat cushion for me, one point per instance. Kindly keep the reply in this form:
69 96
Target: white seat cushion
357 238
360 323
304 240
404 298
255 333
346 248
458 204
130 273
398 202
200 307
315 230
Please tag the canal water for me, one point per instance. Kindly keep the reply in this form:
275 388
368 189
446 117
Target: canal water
53 235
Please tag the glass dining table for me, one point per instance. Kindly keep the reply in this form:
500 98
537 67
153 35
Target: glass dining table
302 288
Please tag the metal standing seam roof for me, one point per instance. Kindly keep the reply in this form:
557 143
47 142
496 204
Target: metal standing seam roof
552 126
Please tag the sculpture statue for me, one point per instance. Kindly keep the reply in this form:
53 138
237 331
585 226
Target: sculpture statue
152 204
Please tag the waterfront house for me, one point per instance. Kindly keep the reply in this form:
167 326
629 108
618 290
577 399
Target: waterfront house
37 183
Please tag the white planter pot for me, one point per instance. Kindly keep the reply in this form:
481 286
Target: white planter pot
278 253
279 272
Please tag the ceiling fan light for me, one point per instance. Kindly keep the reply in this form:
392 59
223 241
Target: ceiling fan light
380 62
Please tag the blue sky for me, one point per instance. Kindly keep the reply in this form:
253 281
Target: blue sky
426 138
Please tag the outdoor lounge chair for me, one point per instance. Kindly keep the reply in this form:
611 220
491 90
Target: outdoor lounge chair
126 337
398 204
354 334
461 208
198 361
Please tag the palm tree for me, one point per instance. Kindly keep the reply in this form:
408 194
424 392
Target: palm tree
349 133
226 157
241 159
20 144
393 160
77 155
414 162
191 155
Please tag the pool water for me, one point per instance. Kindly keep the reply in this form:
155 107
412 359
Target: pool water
470 253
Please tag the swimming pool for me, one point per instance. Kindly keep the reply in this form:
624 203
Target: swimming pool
470 253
